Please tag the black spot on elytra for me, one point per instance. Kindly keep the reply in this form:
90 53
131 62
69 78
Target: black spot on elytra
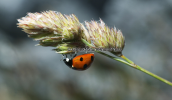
85 66
81 59
92 58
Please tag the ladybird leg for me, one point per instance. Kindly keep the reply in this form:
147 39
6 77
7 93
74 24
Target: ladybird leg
74 55
86 50
70 54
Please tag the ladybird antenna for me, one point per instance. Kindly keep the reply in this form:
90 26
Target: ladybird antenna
62 57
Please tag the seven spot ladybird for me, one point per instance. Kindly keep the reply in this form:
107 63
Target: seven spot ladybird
80 62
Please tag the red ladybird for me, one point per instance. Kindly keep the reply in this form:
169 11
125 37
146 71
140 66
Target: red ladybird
81 62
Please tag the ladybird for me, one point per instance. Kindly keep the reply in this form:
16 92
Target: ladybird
80 62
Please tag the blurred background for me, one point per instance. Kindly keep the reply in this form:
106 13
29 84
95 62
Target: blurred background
29 72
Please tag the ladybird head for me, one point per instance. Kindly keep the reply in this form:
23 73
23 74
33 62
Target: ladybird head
68 62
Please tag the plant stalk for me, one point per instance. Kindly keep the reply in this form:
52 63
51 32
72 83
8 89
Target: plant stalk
131 64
